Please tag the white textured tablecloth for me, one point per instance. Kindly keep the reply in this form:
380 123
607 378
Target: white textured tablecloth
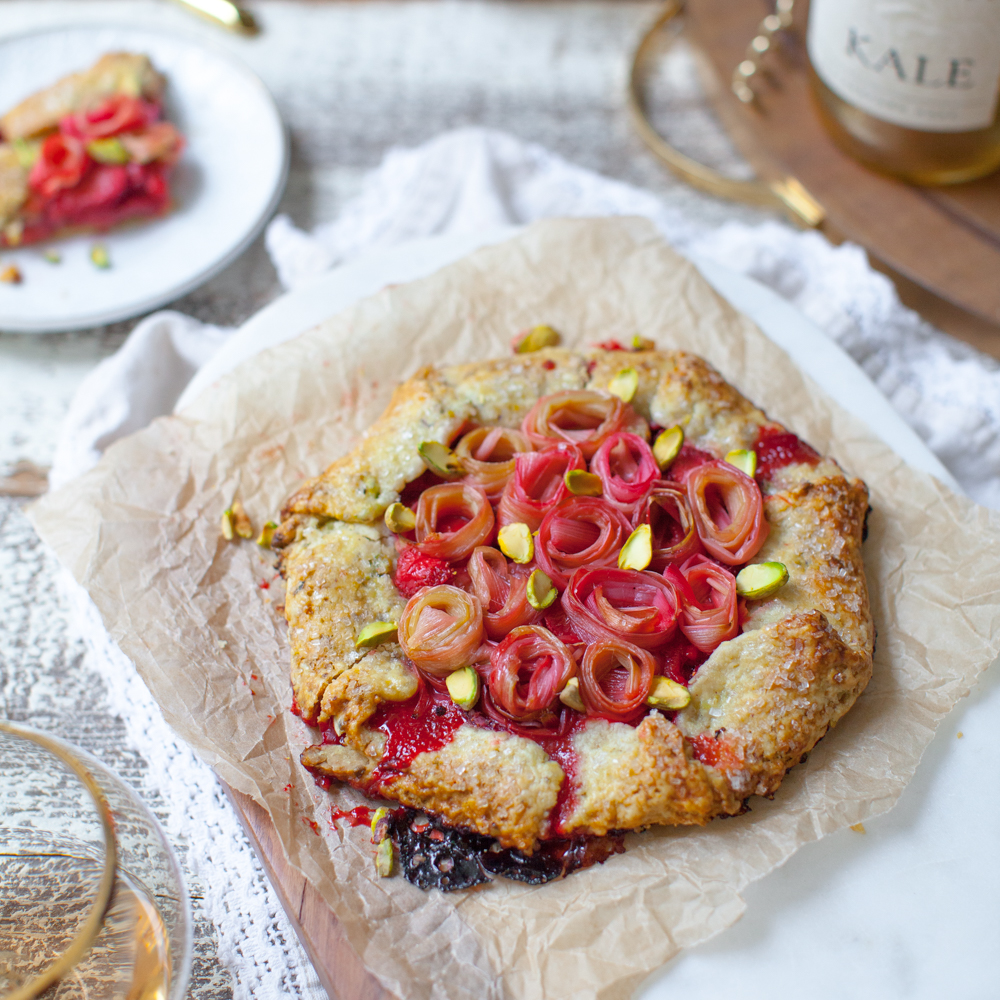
463 181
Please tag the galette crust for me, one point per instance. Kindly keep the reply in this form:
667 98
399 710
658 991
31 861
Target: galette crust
768 696
114 73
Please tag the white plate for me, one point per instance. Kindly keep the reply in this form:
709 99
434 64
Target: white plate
225 187
818 356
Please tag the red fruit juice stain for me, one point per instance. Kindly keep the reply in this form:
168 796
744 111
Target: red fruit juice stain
688 459
358 816
312 824
776 449
426 722
715 752
415 570
679 660
264 585
450 523
411 491
563 752
288 787
612 345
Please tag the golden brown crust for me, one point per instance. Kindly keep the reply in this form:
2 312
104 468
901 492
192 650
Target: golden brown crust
629 778
114 73
773 693
816 526
766 697
431 406
13 183
338 579
498 785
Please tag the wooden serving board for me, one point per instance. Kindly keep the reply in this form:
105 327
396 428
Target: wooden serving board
946 239
340 969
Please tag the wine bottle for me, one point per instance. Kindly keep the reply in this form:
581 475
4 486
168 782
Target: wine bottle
910 87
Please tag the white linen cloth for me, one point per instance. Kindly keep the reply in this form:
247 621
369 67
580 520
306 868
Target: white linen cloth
465 181
472 180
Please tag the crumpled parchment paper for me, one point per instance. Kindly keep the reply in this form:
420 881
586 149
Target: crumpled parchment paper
200 617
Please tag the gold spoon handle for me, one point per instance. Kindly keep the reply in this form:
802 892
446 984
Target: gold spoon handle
223 12
786 193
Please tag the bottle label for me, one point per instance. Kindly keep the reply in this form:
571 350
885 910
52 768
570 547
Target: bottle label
932 65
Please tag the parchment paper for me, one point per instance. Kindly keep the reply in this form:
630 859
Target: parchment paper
141 533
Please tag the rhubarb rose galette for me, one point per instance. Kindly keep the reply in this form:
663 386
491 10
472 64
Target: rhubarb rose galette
560 596
87 153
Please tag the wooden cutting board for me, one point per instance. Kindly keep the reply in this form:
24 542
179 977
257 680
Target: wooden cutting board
340 970
945 239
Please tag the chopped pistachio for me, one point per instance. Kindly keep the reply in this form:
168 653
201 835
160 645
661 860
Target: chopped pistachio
266 534
583 484
463 686
11 275
570 696
226 524
640 343
668 694
380 824
440 459
667 446
637 552
108 150
399 519
744 459
516 543
624 385
374 634
760 580
536 338
241 520
53 256
26 151
99 256
541 591
384 858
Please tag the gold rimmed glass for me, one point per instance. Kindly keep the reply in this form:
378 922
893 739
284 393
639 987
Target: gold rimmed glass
91 899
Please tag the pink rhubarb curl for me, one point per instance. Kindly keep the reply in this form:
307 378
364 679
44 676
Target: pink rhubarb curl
627 469
638 607
538 484
580 532
441 629
452 519
502 592
527 672
580 417
615 678
671 523
709 613
488 454
728 512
